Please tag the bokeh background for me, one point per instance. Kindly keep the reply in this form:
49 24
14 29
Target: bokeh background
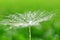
50 30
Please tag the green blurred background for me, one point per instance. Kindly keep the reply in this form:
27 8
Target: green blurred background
50 30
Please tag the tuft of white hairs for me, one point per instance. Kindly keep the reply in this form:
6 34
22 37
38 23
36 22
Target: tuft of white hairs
27 18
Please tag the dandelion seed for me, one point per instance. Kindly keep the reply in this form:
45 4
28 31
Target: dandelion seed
26 19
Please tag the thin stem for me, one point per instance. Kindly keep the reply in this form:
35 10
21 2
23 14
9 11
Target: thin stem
29 33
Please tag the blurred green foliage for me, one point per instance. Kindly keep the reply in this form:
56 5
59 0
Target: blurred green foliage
50 30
